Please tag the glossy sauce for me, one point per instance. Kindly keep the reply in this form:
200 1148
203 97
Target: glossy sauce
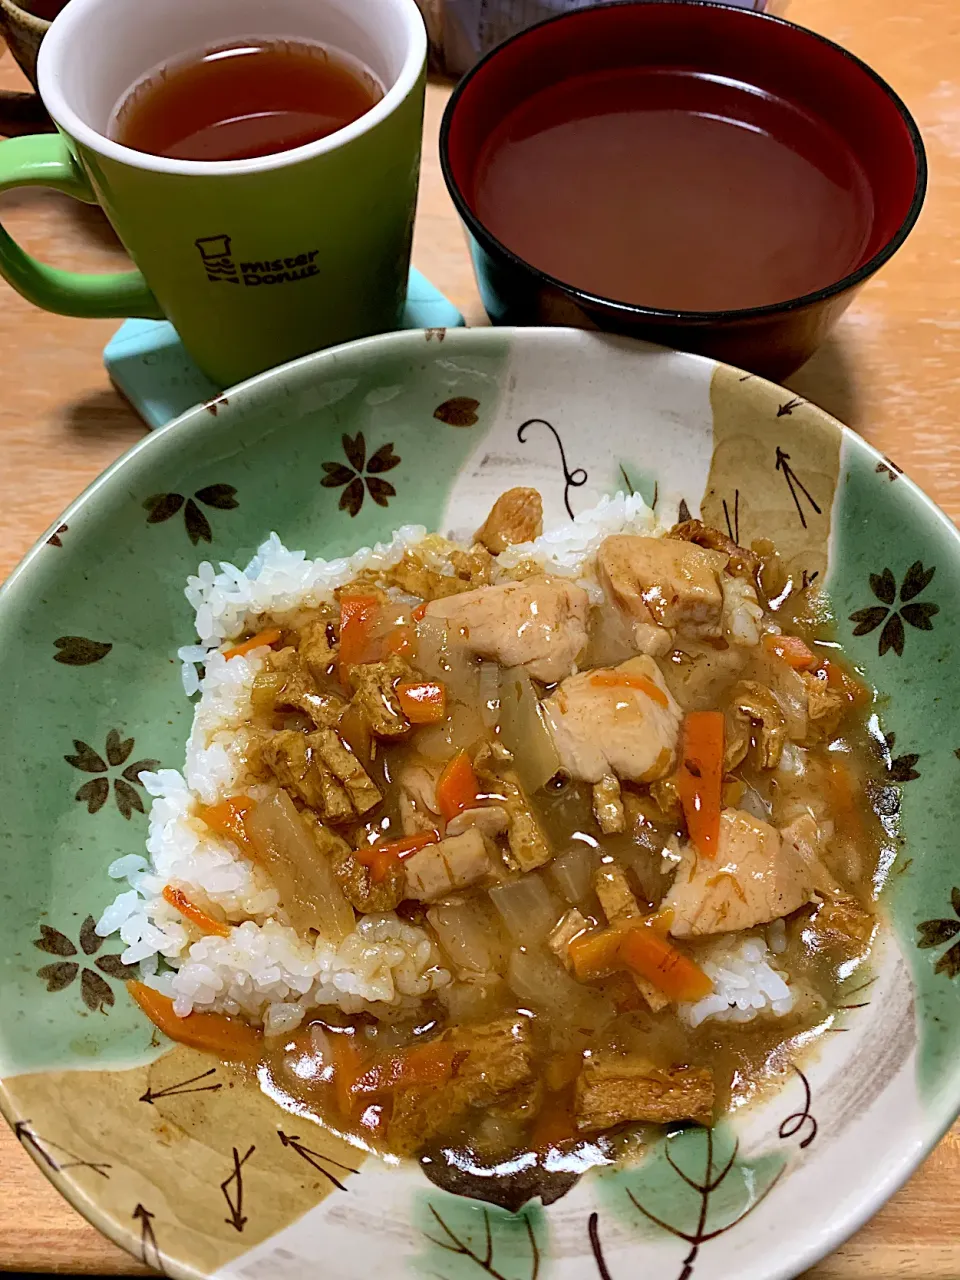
671 189
240 101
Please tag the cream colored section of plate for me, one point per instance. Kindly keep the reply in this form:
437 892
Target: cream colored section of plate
776 463
181 1162
595 404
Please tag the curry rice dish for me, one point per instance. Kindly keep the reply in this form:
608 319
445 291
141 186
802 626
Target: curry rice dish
518 847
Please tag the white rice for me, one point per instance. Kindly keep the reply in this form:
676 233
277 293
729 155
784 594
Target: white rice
745 981
263 970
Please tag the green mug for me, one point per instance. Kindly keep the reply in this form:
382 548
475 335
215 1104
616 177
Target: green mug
253 261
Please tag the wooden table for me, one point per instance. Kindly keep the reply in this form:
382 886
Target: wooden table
892 371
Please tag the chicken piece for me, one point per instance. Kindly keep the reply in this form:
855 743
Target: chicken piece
516 516
528 845
755 877
619 905
753 709
319 647
613 1090
293 759
570 927
490 819
453 863
284 685
608 805
659 580
539 624
374 685
492 1063
347 769
600 728
740 562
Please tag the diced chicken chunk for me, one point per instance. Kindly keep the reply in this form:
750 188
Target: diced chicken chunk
608 805
454 863
516 516
374 685
491 819
614 1090
755 877
538 624
658 580
491 1064
601 727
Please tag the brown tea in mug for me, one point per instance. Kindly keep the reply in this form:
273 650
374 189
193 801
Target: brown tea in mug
243 100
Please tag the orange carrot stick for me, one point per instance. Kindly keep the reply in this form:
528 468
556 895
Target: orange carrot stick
177 898
358 615
647 953
380 857
794 651
422 701
269 637
457 786
612 680
228 1038
700 778
226 818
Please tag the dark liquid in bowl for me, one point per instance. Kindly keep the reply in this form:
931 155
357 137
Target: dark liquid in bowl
44 8
240 101
673 189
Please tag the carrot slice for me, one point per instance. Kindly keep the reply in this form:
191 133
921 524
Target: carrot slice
700 778
177 898
420 612
794 651
457 786
228 1038
358 615
381 857
647 953
594 955
268 637
611 680
226 818
348 1067
422 701
430 1063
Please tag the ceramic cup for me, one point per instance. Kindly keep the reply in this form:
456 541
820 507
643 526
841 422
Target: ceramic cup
254 261
780 62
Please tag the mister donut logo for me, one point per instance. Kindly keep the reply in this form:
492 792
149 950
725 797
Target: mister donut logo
222 267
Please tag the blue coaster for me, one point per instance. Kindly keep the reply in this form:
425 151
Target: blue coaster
147 363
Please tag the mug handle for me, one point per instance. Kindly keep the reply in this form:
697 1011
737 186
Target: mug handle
44 160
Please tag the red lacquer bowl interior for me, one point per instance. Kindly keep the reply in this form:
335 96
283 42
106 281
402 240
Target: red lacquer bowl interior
812 95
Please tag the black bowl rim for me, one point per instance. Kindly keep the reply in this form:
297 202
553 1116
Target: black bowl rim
635 310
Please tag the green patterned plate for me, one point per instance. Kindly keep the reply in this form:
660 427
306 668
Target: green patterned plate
194 1170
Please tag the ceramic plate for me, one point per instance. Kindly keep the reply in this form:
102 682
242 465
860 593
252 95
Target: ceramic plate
190 1167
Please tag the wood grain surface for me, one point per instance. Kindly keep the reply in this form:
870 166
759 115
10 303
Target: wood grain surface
892 371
